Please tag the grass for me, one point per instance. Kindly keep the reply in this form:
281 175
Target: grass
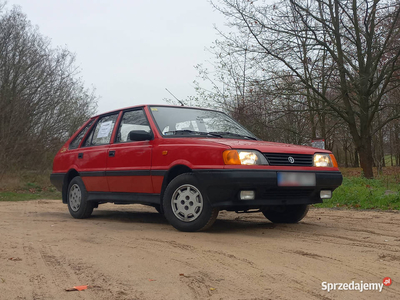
382 192
24 196
27 186
388 160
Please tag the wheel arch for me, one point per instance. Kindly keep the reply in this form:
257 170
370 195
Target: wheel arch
170 175
67 179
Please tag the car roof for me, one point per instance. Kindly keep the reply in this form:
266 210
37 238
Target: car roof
147 105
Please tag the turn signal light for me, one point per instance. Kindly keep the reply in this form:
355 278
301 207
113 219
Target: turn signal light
231 157
333 159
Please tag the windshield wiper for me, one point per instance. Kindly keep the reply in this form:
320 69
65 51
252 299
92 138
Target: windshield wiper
192 132
234 134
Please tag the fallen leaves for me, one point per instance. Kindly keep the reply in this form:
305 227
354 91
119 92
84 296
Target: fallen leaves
81 288
15 259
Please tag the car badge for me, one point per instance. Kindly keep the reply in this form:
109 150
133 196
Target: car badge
291 159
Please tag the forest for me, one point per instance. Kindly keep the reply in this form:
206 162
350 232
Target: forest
296 71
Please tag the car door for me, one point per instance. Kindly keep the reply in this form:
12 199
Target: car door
129 162
92 156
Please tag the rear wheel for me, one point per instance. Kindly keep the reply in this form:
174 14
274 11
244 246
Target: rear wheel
286 213
186 206
77 195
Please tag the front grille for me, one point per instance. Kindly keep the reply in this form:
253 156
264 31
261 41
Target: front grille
283 159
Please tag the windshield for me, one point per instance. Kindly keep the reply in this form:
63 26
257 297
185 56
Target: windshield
177 121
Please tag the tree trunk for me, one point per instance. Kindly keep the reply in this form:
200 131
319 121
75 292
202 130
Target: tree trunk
391 146
397 144
381 156
356 162
366 159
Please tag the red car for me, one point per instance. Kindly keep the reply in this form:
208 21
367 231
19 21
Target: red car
189 163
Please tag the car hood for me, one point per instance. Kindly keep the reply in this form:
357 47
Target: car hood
266 147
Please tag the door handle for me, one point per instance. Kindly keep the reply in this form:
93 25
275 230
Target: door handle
80 155
111 153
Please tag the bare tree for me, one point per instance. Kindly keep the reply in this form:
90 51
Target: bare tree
42 101
358 40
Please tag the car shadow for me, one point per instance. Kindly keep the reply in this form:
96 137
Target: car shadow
129 216
234 226
221 225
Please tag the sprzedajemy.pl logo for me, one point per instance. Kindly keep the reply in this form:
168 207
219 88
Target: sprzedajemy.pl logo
356 286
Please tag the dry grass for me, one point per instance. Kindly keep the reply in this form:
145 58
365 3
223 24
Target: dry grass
27 185
24 179
381 192
9 183
393 172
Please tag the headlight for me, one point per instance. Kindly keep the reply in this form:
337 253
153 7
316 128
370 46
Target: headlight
244 157
324 160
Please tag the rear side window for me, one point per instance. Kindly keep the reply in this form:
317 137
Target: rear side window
132 120
102 131
77 140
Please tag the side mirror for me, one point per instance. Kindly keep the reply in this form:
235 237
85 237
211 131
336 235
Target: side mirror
140 135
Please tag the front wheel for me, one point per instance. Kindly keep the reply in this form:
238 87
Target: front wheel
78 205
159 209
186 206
286 213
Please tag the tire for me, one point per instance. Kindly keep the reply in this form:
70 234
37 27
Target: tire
186 206
159 209
286 213
77 195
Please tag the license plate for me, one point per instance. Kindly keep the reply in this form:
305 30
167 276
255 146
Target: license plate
296 179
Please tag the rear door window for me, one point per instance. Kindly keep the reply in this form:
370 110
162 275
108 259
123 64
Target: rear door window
102 131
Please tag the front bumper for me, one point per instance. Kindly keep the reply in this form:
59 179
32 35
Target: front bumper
223 188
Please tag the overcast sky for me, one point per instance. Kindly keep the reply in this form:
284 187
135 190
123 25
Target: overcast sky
130 50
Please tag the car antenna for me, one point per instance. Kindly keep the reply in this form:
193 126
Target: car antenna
182 104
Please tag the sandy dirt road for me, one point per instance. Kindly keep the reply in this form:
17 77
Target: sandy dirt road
130 252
